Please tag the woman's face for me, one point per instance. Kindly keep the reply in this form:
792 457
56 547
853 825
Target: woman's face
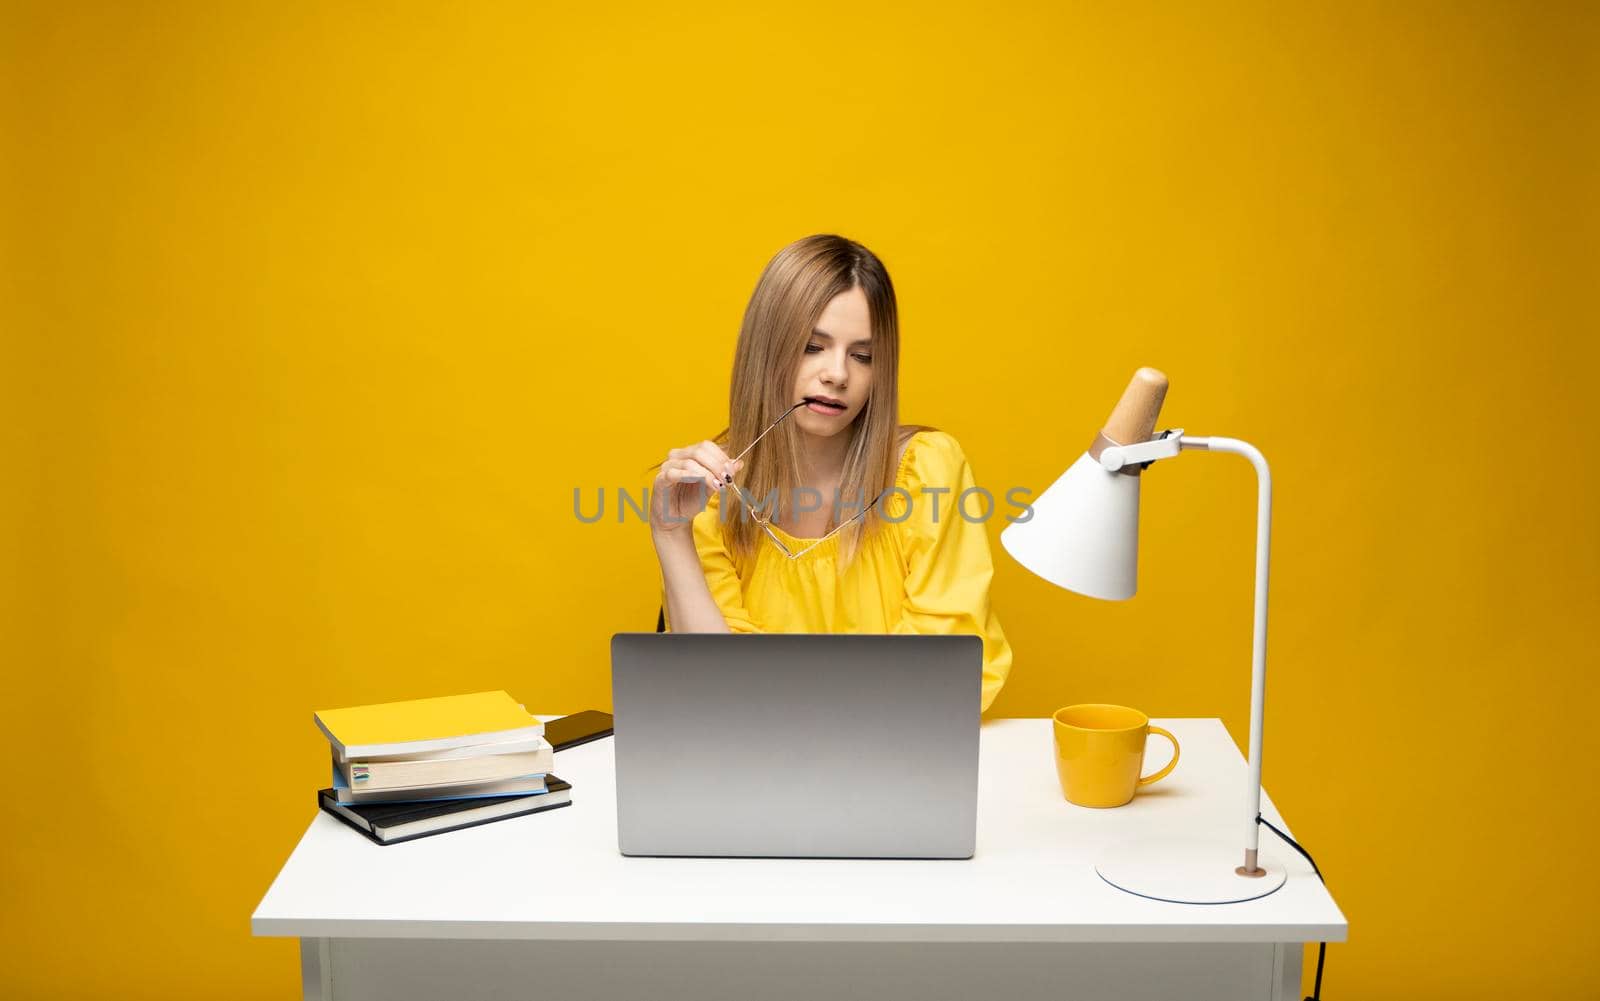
836 365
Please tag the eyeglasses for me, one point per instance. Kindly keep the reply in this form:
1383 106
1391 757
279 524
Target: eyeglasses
763 518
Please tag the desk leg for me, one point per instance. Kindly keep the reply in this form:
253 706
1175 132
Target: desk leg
1286 971
316 970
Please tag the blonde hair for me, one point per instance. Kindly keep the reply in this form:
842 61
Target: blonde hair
794 289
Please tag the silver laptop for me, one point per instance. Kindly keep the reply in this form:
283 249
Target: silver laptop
797 745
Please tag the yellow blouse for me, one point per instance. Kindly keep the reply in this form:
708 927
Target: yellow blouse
919 575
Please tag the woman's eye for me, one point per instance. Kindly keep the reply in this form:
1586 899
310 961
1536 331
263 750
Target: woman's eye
865 359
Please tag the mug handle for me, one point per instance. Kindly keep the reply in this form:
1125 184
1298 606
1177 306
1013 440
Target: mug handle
1158 776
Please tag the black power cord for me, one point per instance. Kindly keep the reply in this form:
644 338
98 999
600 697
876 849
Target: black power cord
1322 947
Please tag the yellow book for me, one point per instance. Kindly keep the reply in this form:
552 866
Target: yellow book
425 724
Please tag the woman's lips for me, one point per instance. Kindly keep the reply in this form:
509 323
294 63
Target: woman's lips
818 407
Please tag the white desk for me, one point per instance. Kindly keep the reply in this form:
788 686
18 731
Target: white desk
545 906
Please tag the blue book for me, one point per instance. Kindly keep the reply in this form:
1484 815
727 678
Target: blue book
520 785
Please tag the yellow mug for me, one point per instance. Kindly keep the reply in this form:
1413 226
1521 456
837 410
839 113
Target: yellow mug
1100 750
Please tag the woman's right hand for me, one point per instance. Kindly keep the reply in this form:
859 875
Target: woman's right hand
682 487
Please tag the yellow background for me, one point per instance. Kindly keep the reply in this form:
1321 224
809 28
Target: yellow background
315 314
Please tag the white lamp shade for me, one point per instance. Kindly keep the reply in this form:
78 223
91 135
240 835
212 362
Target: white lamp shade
1084 532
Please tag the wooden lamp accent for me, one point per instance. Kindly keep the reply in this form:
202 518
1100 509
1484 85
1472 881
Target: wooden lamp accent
1134 419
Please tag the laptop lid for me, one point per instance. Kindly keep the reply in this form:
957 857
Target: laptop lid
797 745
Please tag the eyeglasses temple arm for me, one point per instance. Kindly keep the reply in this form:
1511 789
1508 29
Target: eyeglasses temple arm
763 434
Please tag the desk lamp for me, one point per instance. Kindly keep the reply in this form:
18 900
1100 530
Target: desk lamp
1084 536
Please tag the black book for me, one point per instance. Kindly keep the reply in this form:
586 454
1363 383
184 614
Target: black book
579 728
391 823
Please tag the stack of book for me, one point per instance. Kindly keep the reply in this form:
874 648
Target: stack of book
404 770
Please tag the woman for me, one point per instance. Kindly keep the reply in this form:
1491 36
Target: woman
831 517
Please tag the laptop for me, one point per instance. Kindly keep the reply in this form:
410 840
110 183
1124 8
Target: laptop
797 745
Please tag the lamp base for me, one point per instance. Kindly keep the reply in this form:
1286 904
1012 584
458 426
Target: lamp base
1188 871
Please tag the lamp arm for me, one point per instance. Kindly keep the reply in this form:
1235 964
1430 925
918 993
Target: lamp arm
1258 672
